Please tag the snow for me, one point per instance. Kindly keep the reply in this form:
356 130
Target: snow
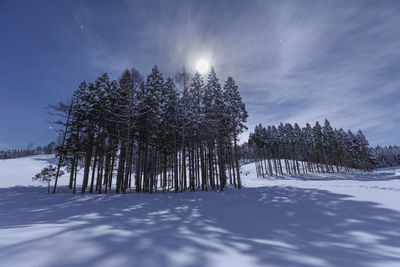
381 186
340 219
19 171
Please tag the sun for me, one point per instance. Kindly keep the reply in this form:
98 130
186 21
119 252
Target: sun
202 66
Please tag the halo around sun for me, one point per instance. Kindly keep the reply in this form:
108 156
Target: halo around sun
202 66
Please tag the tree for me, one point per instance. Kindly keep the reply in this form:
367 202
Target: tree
47 174
237 113
61 149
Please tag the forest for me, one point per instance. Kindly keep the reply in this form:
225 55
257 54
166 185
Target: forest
182 134
308 149
154 135
386 156
29 151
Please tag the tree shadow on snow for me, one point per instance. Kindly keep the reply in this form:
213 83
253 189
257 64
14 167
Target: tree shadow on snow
354 175
276 226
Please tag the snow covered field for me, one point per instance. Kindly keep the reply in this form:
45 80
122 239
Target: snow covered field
341 219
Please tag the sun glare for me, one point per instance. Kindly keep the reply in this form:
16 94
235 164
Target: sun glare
202 66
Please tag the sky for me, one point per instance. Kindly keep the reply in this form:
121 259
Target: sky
294 61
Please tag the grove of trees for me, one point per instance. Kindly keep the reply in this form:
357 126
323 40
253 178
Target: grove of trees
387 156
290 149
29 151
154 134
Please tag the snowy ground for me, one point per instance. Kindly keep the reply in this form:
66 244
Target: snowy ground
345 219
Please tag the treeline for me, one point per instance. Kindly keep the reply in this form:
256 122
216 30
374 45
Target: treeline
294 150
149 136
387 156
29 151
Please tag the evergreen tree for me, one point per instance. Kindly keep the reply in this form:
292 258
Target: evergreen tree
47 174
237 113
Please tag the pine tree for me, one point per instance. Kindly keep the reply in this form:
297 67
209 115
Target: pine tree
237 113
47 174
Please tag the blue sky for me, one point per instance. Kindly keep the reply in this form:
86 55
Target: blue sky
295 61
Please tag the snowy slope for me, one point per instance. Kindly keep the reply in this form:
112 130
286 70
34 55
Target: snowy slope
14 172
315 220
381 187
19 171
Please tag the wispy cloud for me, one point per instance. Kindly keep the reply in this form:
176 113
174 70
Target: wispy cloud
295 61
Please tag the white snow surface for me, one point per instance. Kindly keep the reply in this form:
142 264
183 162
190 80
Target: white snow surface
339 219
